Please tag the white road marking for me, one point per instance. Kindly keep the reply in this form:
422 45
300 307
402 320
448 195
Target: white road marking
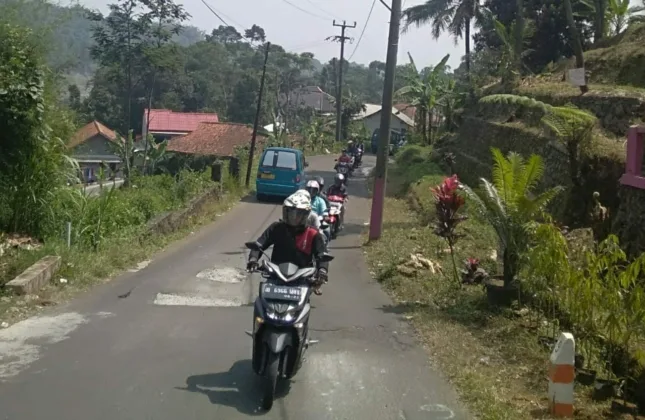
222 275
439 409
21 344
165 299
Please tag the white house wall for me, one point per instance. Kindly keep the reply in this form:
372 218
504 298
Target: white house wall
374 121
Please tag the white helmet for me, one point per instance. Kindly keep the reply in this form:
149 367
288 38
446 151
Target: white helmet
296 208
313 187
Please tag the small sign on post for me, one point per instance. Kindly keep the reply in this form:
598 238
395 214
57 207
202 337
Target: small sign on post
577 77
561 376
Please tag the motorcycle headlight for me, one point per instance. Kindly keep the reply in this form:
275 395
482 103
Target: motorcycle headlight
281 311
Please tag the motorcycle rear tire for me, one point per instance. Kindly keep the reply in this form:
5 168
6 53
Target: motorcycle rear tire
271 380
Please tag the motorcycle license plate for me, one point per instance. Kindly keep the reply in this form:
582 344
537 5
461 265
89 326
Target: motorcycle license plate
273 292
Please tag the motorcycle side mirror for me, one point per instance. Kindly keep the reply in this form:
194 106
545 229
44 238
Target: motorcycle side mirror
326 257
253 246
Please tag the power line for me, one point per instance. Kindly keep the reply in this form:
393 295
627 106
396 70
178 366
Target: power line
369 15
321 9
241 27
215 13
305 11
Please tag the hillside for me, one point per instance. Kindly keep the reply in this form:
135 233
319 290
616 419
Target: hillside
69 32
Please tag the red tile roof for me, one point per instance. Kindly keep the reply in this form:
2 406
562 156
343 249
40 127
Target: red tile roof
90 130
165 120
213 139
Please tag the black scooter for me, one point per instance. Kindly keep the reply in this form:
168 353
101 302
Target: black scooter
280 322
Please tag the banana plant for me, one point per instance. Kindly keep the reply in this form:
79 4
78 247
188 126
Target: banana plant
423 91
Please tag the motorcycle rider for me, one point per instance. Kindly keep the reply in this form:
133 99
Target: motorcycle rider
293 241
338 188
318 205
323 194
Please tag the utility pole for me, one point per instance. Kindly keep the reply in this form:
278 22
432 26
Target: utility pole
339 88
380 172
257 117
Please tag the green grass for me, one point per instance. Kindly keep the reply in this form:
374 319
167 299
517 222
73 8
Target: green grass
488 353
83 268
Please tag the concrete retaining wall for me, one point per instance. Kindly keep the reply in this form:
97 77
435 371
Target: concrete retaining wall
35 277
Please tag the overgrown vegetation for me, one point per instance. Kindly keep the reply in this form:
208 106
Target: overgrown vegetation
565 282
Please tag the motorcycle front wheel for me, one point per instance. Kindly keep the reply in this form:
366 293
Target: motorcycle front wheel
271 380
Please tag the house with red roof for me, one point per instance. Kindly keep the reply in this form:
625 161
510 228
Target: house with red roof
214 139
92 146
165 124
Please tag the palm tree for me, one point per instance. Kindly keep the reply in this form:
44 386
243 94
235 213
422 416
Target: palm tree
423 91
453 16
575 40
510 204
512 52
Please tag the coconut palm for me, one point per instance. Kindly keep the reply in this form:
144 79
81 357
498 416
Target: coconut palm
510 204
452 16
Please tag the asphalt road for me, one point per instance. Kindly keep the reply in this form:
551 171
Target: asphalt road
167 342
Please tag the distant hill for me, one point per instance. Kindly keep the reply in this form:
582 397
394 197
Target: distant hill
69 32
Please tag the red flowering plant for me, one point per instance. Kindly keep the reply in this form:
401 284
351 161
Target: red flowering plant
448 202
473 273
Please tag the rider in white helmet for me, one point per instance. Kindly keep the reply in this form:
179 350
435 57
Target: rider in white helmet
293 241
318 205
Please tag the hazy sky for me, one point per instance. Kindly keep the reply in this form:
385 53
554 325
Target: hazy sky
300 31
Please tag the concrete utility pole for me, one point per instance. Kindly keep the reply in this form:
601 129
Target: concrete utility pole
257 117
380 172
339 88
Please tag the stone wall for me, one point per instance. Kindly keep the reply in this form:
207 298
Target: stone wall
615 110
601 168
171 221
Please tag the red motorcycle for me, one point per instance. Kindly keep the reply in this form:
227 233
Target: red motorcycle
335 215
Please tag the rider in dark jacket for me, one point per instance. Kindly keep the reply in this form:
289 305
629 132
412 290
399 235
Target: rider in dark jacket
292 240
338 187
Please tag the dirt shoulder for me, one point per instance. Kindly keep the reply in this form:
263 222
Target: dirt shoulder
491 355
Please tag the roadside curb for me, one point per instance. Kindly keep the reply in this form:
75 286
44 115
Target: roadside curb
35 277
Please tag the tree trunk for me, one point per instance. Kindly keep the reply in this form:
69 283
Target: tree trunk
424 120
510 267
599 20
519 36
575 40
467 40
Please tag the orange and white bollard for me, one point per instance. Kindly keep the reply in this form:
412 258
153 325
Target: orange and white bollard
561 376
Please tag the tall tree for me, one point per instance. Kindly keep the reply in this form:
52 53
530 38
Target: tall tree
452 16
225 35
255 33
120 40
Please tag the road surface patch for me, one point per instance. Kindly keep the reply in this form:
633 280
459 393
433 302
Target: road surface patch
168 299
222 275
21 344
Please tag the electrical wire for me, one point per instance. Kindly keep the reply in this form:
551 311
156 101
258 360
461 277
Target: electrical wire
321 9
251 41
369 15
305 11
215 13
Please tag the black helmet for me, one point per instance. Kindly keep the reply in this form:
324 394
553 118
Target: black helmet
321 182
